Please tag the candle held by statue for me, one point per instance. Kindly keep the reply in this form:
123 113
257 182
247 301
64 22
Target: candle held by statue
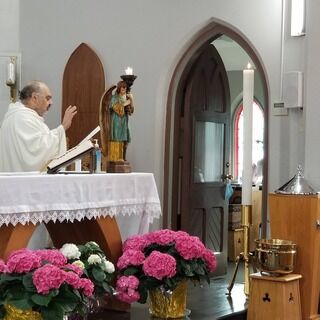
129 71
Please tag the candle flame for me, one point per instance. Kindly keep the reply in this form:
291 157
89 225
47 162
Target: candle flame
129 71
249 65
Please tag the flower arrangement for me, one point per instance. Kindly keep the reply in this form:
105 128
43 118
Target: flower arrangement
161 259
43 281
92 260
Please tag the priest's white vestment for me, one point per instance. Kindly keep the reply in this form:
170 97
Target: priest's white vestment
26 142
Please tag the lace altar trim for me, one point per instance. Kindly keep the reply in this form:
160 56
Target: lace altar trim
152 209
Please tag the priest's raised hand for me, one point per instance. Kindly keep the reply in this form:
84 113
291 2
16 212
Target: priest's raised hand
70 112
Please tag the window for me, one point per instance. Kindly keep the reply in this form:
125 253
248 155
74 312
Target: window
257 138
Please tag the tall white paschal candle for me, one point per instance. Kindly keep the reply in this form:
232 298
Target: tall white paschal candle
248 85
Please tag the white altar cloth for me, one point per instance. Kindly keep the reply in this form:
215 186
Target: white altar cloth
35 198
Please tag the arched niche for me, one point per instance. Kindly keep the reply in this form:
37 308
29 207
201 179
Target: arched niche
213 30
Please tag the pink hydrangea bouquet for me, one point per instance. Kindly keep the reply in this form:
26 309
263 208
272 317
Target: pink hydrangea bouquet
43 281
161 259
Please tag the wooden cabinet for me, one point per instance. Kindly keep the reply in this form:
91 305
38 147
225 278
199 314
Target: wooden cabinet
235 244
296 218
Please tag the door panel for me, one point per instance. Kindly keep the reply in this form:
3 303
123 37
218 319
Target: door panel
204 152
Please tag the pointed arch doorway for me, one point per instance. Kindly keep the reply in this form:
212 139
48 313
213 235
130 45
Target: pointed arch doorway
198 134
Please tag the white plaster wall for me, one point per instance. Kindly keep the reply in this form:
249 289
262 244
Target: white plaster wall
9 44
151 36
312 109
9 25
292 130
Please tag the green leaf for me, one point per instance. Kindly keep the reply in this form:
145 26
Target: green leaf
130 271
2 312
23 304
4 277
53 312
143 295
98 274
171 283
28 283
107 288
41 300
19 298
151 283
187 270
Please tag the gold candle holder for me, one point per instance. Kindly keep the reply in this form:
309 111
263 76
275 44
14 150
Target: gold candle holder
246 216
246 220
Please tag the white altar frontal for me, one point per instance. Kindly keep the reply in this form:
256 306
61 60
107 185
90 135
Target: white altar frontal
34 198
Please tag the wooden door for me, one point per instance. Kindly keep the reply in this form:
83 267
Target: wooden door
203 154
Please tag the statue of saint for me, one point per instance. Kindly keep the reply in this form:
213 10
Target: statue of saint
115 109
121 107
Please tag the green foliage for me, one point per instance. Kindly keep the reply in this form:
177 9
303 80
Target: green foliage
20 292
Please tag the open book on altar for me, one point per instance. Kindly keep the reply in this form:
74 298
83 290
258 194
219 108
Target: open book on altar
72 154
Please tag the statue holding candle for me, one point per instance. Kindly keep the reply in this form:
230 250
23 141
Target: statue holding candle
121 107
116 106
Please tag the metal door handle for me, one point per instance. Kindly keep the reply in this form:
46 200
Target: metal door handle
226 177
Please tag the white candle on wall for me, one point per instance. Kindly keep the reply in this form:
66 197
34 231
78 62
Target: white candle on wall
248 85
11 73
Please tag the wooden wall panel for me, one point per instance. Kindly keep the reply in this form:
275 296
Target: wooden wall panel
83 86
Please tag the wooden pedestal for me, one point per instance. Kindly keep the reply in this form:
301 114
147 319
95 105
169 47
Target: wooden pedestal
119 167
295 217
276 298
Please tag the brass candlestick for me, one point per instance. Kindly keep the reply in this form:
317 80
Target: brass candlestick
246 220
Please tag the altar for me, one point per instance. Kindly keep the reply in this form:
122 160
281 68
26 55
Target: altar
106 208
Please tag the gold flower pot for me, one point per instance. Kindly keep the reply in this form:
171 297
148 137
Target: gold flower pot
169 306
12 313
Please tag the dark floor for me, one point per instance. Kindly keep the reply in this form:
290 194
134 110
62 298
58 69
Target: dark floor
205 303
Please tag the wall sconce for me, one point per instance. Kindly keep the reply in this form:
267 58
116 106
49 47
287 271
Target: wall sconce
11 78
298 15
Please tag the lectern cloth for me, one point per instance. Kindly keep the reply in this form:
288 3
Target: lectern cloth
34 198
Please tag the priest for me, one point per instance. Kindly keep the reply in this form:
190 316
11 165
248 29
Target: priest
26 142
